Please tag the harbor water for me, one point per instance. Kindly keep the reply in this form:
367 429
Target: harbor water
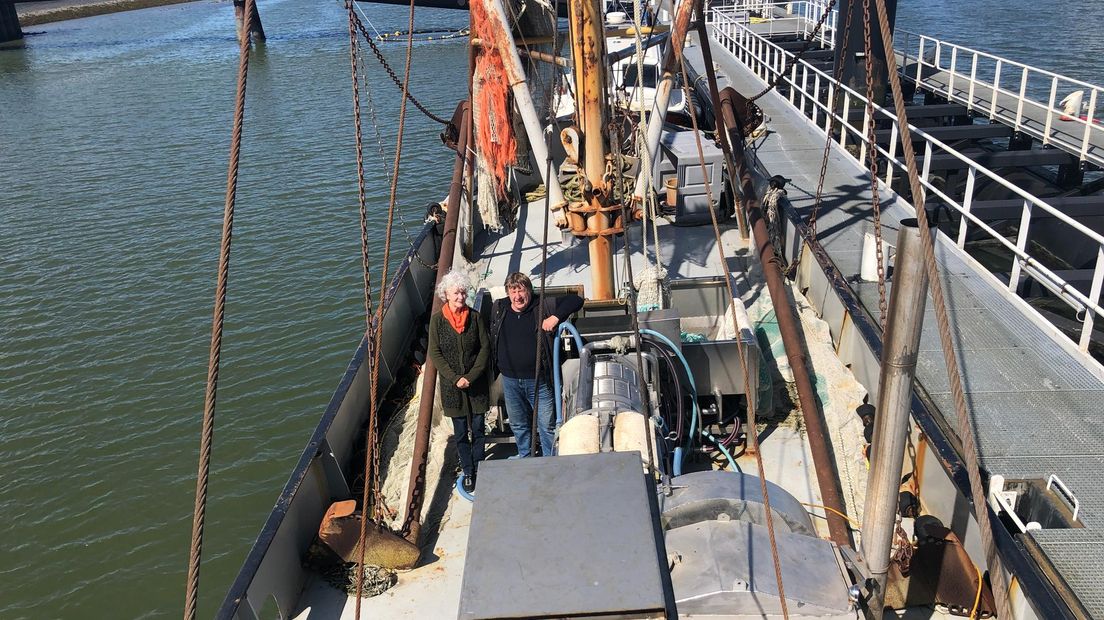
114 135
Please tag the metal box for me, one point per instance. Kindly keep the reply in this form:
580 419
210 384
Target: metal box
678 158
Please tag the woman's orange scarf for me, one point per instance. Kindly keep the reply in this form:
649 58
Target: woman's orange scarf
457 319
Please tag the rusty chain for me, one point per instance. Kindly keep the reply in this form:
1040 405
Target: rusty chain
391 72
834 101
872 157
804 48
199 513
372 452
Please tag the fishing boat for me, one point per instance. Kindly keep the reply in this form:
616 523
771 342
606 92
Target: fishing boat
760 411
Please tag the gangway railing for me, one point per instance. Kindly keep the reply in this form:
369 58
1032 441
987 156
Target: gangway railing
798 17
810 89
1026 98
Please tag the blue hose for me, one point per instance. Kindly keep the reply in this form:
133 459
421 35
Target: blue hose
679 455
461 491
557 382
724 451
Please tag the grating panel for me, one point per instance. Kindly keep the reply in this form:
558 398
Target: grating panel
1076 556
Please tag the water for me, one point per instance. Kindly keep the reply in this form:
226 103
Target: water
113 145
114 134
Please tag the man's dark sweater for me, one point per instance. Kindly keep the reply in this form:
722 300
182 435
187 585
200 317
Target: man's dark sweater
515 333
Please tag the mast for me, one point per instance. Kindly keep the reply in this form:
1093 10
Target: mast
588 54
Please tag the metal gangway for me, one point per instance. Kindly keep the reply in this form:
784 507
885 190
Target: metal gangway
1057 110
1032 388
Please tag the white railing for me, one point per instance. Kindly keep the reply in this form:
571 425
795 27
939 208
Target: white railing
1026 98
806 83
797 17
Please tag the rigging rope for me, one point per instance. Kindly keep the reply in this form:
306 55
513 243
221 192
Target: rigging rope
391 72
207 434
965 430
372 452
752 433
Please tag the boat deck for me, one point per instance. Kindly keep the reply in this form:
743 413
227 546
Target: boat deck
1035 402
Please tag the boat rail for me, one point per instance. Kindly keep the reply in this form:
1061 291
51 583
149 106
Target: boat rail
1009 91
805 83
797 17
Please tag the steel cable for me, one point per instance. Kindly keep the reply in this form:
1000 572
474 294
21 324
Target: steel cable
207 434
965 431
752 434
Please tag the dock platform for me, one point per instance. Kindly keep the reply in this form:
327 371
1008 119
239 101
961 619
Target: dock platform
1035 401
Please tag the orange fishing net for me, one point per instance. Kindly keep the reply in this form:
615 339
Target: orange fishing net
495 136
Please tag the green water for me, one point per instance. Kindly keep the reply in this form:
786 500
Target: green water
114 136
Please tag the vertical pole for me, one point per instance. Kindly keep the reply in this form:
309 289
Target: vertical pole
672 60
722 136
588 53
415 495
255 27
854 64
11 35
902 341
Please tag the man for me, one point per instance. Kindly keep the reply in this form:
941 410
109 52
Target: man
514 333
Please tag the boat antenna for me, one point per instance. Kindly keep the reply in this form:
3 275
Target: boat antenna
213 361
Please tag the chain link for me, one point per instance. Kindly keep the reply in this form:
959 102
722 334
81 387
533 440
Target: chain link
872 156
391 72
804 48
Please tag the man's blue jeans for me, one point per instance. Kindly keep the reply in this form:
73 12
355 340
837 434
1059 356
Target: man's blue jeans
518 394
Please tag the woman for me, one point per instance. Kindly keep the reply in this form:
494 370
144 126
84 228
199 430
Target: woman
460 349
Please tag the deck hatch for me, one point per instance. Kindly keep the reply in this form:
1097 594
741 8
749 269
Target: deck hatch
564 537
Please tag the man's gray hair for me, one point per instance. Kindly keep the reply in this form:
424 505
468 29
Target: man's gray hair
518 279
455 280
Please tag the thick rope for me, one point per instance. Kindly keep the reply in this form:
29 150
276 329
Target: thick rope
872 157
753 433
199 513
371 454
965 431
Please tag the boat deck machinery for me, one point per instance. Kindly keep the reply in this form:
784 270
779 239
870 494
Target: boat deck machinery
610 528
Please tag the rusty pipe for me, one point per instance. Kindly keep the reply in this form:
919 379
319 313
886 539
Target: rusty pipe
722 137
416 488
559 61
819 441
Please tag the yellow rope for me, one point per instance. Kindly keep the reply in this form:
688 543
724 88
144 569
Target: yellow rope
851 521
977 597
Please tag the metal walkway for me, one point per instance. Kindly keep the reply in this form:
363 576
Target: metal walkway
1025 98
1035 398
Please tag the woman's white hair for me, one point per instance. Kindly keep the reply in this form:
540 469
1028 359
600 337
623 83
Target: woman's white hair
453 280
